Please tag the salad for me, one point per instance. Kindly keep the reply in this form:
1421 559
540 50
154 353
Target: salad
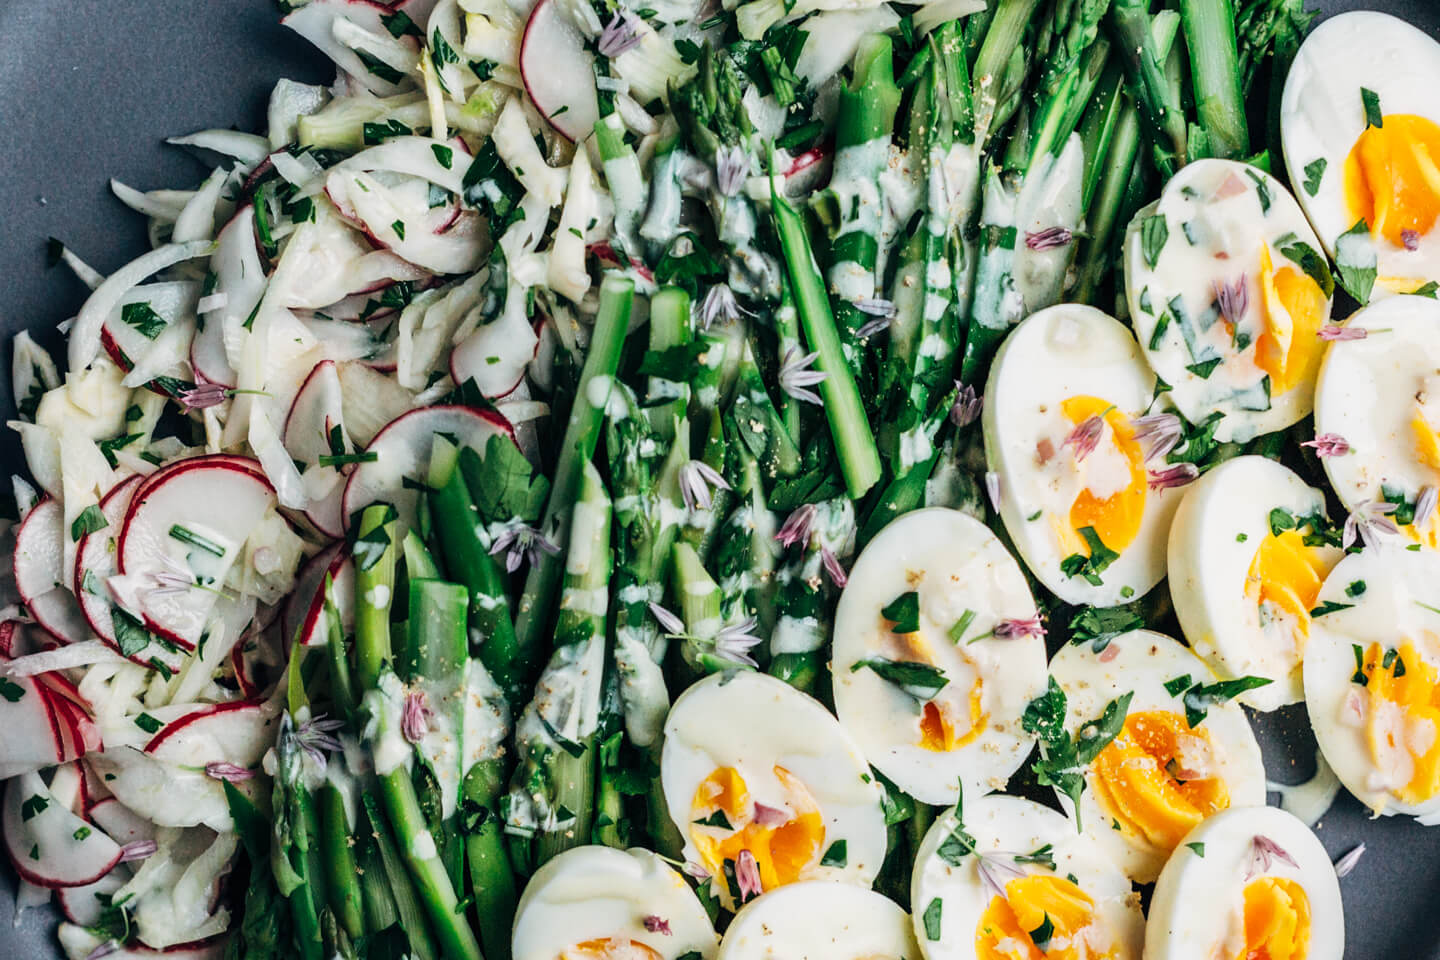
778 478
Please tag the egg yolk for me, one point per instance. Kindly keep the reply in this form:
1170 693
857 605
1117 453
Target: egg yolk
1404 719
782 850
1153 778
1006 927
1277 920
1391 178
939 731
610 949
1287 574
1114 514
1292 307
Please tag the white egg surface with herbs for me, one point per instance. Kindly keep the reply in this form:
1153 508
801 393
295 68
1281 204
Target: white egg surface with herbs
967 629
1006 877
1372 679
1247 883
1183 753
596 903
816 920
1218 274
1379 395
763 782
1248 553
1074 488
1360 124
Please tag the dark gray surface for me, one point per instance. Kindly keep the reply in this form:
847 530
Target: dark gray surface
90 91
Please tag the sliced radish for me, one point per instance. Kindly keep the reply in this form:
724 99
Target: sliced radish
495 355
315 629
83 905
39 552
340 27
80 943
33 735
120 822
81 733
557 69
307 582
128 344
182 533
402 452
398 216
238 733
315 428
372 400
48 844
239 285
163 793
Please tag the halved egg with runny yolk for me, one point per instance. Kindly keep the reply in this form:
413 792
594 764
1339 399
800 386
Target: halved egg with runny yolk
783 842
1155 779
1112 502
1403 722
1277 920
1287 574
609 950
1293 309
1052 910
1392 180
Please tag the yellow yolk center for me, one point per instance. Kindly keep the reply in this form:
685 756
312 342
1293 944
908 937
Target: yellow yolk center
781 850
1292 307
610 949
1391 178
1005 928
1155 780
1404 719
1115 516
940 730
1287 574
1277 920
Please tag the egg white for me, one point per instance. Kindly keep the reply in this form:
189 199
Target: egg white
1142 662
956 565
753 722
1399 587
1222 521
1198 909
1058 353
1219 214
815 920
1322 115
598 893
1004 827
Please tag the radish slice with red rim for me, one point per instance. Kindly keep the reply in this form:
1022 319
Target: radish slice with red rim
33 729
121 823
39 549
48 844
557 68
238 732
239 284
83 905
152 317
495 355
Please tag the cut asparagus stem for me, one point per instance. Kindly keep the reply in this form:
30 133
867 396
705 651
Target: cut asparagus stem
402 886
337 853
699 607
1215 76
995 81
582 433
375 583
1145 67
669 327
492 883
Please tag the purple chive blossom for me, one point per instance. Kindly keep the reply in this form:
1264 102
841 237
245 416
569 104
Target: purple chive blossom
202 396
871 327
1333 332
229 772
880 311
1018 629
104 950
694 871
796 376
696 479
139 850
415 720
1158 433
670 623
720 304
732 166
521 542
316 738
1346 864
996 870
747 876
1085 437
796 528
1411 239
966 408
767 816
734 642
833 567
1264 853
1051 238
619 35
992 489
1328 445
654 924
1367 521
1233 300
1425 502
1175 475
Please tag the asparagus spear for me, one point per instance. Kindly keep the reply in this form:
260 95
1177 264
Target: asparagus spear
1215 77
1158 103
825 533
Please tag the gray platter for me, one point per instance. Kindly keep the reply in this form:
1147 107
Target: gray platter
93 89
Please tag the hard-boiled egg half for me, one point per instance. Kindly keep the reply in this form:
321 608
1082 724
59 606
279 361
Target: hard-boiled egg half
815 920
1218 273
1075 491
767 788
1247 883
1377 410
1361 130
598 903
1005 878
1248 553
1372 678
1183 753
938 648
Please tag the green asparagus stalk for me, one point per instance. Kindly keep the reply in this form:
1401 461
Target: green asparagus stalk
824 532
627 186
1158 103
402 885
1215 77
